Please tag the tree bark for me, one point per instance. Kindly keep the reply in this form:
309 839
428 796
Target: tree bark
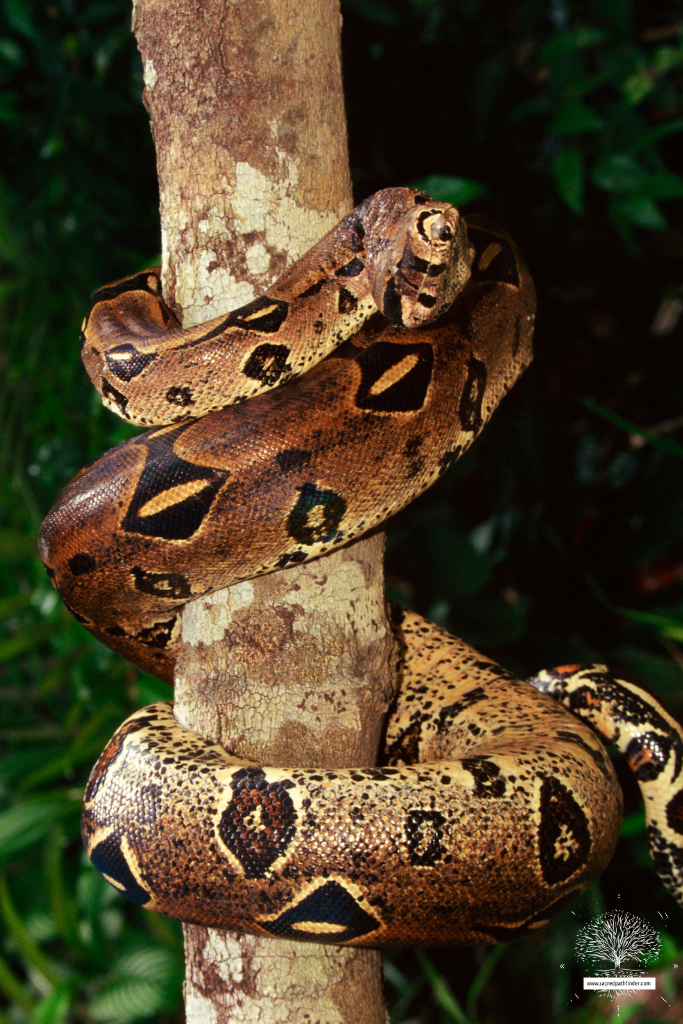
294 668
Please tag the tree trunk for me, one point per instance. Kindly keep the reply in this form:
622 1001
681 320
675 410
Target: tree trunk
293 668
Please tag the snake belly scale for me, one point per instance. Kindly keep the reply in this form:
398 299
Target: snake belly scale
369 367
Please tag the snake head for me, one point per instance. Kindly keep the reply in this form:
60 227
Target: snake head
426 267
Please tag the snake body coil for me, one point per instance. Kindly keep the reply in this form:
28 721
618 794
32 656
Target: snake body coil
495 805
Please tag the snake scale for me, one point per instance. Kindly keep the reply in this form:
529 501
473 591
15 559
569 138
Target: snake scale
495 803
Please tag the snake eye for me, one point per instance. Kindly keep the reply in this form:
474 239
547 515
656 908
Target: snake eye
441 230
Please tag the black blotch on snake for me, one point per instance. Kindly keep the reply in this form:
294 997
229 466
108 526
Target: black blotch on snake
329 904
316 515
564 840
408 393
172 585
110 860
127 362
259 823
472 397
81 564
179 396
424 834
165 471
267 363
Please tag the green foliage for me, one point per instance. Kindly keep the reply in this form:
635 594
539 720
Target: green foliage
605 97
75 208
449 189
557 538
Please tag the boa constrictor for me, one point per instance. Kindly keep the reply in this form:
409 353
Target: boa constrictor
494 805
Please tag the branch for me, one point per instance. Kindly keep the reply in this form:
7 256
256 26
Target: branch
293 668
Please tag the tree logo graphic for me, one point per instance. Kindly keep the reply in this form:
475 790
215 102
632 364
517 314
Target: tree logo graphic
618 946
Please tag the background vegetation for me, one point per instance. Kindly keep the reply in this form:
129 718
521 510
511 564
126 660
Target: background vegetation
558 538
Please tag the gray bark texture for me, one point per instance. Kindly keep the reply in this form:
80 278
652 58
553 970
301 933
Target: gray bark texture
294 668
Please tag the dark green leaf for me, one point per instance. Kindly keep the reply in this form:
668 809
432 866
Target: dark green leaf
633 824
85 746
664 185
22 643
126 1001
564 44
53 1009
15 546
572 117
19 18
620 173
444 997
448 189
12 988
643 212
151 690
666 58
650 136
568 172
664 443
31 820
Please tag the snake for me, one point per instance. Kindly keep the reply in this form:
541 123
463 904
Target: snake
280 431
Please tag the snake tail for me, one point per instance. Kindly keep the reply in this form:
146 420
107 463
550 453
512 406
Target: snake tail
622 712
